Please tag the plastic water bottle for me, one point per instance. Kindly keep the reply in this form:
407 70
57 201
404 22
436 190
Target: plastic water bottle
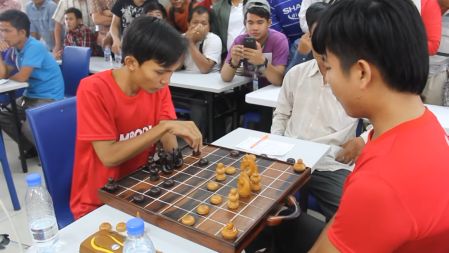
107 54
137 241
41 215
118 60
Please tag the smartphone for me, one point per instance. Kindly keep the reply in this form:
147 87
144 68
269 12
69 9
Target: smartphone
249 42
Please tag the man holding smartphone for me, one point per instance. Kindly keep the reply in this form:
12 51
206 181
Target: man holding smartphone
263 51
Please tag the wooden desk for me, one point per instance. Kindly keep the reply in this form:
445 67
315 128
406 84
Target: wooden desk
210 85
10 88
72 235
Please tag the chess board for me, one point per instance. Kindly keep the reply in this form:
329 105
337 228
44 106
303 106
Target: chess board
277 178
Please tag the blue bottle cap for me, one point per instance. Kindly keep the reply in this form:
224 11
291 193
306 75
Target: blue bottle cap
33 179
135 226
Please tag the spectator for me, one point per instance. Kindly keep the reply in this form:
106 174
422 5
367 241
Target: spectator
155 9
178 13
102 17
284 18
431 16
270 44
40 13
123 113
58 17
35 65
124 12
77 33
10 4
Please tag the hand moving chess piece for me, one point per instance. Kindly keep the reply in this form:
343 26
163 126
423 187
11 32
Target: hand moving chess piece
255 182
221 176
229 232
233 199
243 185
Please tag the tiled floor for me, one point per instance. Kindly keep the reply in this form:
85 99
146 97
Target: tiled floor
19 219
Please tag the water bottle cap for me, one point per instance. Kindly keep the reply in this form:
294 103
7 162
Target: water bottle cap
135 226
33 179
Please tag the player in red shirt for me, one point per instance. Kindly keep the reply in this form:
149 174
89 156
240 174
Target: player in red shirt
396 199
122 113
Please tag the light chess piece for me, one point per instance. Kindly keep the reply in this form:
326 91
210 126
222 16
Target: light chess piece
229 232
233 199
243 185
255 182
220 170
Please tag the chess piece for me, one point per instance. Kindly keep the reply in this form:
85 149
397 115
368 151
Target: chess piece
233 199
220 170
212 186
196 153
120 227
299 166
235 153
177 158
202 209
203 162
229 232
111 185
215 199
243 185
168 183
188 220
230 170
291 160
248 164
138 198
155 191
255 182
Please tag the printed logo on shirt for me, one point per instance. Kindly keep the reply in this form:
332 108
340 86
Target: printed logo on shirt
292 11
134 133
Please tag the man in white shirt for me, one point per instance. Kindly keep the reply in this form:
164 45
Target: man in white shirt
204 50
307 109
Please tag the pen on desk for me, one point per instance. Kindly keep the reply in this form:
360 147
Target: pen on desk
260 140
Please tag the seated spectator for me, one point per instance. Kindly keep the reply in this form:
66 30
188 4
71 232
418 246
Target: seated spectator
58 17
267 62
102 17
308 110
155 9
204 51
284 18
77 33
178 14
35 65
40 13
124 12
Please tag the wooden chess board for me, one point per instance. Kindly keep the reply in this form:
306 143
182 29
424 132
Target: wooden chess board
165 211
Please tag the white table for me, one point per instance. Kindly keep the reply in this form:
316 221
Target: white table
98 64
72 235
210 85
309 152
267 96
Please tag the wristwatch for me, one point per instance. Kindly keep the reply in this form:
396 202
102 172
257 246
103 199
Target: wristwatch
262 67
232 65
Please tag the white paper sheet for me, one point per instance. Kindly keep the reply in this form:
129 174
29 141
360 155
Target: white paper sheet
2 81
266 146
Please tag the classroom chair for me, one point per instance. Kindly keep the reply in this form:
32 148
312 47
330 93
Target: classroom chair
54 130
8 176
75 66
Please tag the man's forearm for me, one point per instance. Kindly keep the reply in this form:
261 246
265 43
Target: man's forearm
100 19
227 72
275 75
203 64
58 33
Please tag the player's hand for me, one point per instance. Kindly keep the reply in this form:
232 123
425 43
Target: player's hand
186 130
116 47
350 150
3 46
305 44
236 54
107 13
254 56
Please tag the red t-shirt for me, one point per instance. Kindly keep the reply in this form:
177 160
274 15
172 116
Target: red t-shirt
431 17
104 112
397 198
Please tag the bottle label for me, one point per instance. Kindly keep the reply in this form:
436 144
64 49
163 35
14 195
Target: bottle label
44 229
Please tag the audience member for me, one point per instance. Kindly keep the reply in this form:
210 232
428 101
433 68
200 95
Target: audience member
178 13
302 12
124 12
35 65
155 9
40 13
10 4
284 18
228 16
123 113
58 17
102 17
78 34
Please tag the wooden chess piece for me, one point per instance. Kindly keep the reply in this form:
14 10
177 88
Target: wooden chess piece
221 176
299 166
229 232
233 199
243 185
255 182
248 164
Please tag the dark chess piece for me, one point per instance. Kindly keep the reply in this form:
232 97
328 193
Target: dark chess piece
155 191
168 183
150 159
111 185
203 162
166 170
196 153
177 158
235 153
154 174
291 160
138 198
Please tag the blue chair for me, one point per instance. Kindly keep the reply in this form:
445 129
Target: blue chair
54 129
75 66
251 118
8 176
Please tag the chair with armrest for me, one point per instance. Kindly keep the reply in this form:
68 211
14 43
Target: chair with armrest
54 130
75 66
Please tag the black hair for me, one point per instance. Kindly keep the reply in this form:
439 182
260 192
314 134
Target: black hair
388 34
155 6
199 10
149 38
75 12
17 19
314 12
261 12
